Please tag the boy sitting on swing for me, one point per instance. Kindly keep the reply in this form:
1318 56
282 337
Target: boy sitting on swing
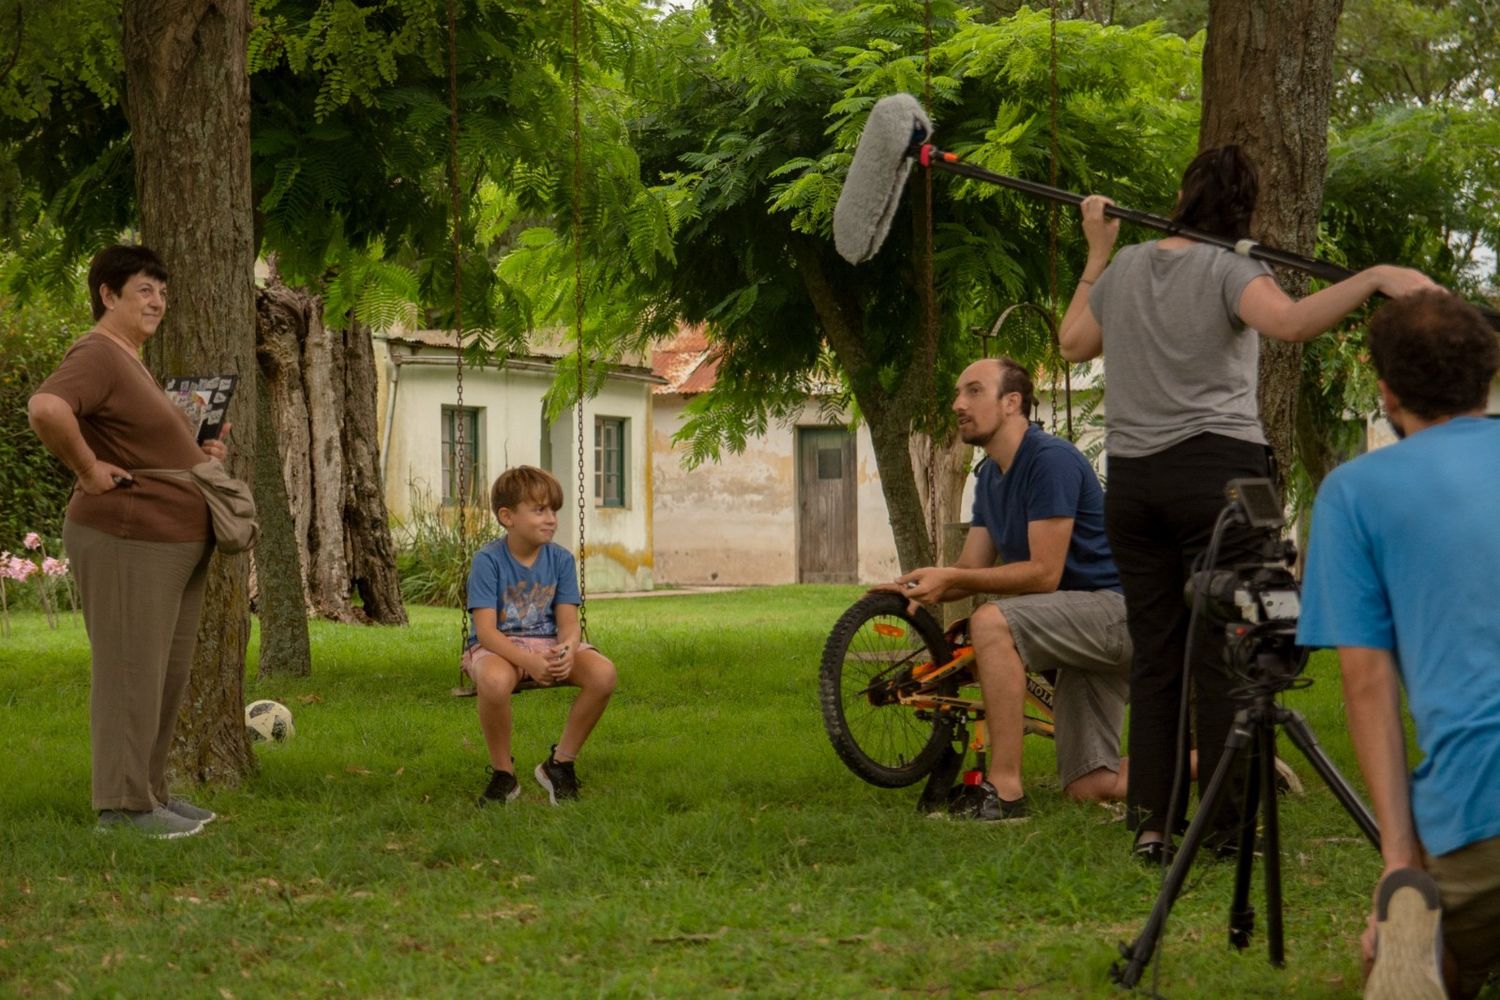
523 601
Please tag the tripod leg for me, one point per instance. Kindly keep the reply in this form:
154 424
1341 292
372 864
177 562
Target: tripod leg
1303 739
939 780
1274 941
1138 953
1241 913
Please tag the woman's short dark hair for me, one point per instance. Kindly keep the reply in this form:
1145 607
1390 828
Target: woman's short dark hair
113 266
1219 189
1015 378
1435 352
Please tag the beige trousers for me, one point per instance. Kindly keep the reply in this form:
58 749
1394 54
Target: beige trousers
141 602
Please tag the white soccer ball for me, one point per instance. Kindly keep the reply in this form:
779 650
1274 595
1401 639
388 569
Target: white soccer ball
269 720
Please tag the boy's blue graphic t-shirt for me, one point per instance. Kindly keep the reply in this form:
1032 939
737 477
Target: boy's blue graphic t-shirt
1048 478
523 597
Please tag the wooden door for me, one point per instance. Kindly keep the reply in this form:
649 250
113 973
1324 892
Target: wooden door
827 523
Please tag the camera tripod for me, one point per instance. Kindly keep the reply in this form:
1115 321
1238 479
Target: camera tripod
1253 733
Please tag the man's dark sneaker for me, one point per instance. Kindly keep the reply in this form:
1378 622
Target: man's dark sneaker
986 805
558 777
502 788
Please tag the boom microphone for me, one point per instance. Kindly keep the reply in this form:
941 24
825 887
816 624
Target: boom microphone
882 161
897 133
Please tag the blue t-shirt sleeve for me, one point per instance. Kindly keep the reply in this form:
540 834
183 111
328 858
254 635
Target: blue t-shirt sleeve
567 579
484 582
1054 486
1344 599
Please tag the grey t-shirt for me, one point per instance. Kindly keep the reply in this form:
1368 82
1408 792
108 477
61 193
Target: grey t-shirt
1178 361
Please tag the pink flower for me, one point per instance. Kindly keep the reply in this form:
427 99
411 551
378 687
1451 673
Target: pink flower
55 567
33 541
18 569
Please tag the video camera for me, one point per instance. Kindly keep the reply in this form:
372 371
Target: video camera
1257 603
1257 592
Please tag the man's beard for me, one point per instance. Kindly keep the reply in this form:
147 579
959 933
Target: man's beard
978 438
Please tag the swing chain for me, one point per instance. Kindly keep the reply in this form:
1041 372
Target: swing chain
583 625
461 458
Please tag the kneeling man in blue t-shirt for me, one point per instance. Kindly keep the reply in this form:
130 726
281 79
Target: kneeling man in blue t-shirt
1038 505
1403 567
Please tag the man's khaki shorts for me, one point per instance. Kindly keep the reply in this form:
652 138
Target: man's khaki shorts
1081 634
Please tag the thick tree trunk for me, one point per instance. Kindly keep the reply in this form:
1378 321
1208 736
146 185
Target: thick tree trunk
889 415
285 648
371 549
322 381
322 388
187 98
1267 80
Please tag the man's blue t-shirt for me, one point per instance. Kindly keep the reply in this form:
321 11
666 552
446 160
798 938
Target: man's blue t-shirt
1405 556
1048 478
523 597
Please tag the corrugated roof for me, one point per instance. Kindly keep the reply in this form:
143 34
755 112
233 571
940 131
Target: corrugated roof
687 362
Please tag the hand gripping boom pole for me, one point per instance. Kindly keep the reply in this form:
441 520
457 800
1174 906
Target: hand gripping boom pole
896 135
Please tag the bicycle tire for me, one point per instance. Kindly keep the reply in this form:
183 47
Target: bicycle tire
888 745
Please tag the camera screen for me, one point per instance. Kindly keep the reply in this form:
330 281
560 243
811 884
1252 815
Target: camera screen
1258 497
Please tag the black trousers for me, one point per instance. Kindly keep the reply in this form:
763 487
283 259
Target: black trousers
1159 513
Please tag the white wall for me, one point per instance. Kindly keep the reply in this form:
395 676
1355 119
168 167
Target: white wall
619 547
735 521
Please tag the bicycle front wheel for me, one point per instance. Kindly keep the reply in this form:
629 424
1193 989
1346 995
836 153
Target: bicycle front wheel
871 650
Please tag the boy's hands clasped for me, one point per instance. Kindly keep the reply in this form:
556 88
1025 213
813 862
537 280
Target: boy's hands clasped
551 667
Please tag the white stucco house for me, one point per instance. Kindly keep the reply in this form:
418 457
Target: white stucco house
501 424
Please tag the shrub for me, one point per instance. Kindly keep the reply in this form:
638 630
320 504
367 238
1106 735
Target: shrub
430 557
34 485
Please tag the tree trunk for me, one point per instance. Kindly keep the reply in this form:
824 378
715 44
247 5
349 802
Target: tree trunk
1267 80
322 381
889 415
322 392
187 98
367 526
281 327
285 649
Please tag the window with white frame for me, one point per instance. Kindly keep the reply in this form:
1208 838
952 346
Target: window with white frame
610 481
461 455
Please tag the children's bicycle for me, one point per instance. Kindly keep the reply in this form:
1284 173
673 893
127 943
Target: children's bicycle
899 696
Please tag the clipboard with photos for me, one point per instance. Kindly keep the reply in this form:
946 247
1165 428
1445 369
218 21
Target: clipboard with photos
204 400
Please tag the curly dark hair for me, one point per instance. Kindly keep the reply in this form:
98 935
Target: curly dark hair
115 265
1219 190
1435 353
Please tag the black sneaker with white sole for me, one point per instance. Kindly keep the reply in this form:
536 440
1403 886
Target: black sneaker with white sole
502 788
558 777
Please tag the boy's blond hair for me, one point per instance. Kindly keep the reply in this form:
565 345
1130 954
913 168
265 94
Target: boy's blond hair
514 487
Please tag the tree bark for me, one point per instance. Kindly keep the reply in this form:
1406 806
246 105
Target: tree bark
371 551
1267 81
888 414
187 98
285 648
322 381
322 392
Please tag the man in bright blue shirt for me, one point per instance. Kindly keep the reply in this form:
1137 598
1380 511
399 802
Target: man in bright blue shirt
1037 505
1402 572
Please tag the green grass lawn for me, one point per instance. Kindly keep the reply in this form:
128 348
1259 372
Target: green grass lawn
719 847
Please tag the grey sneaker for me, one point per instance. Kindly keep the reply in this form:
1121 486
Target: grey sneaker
1408 939
187 810
159 824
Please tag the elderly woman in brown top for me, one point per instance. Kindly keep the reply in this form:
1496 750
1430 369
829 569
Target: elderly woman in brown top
139 547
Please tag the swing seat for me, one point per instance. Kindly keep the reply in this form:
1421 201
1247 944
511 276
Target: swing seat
465 688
